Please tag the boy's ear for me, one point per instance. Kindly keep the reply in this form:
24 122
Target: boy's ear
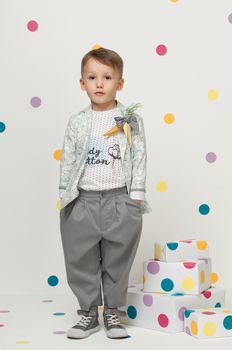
120 84
82 84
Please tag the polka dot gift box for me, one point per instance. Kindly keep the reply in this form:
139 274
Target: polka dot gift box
208 322
190 249
165 312
188 277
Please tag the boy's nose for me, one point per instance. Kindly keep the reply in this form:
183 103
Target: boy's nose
99 83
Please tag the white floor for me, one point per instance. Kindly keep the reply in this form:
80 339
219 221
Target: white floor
30 322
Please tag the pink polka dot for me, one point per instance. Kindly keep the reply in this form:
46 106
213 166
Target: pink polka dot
230 18
189 265
163 320
32 26
2 325
181 313
208 313
161 50
185 241
210 157
153 267
207 294
147 299
35 101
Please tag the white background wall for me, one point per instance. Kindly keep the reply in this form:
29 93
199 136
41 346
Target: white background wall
46 63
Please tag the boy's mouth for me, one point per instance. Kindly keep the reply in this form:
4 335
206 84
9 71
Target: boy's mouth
99 93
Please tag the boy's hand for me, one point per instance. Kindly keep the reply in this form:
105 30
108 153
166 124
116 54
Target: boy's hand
139 201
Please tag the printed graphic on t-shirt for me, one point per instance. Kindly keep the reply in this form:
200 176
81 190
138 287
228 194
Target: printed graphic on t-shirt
103 157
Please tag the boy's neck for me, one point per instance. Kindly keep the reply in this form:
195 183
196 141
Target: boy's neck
104 107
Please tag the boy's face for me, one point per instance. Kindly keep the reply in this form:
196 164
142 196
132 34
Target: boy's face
98 77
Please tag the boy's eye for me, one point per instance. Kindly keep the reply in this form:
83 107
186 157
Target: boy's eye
92 77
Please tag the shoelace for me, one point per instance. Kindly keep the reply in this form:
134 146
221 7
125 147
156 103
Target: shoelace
84 321
112 319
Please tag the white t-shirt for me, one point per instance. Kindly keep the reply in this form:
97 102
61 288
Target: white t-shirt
103 166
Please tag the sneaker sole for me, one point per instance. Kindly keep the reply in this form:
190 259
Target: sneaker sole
71 333
116 337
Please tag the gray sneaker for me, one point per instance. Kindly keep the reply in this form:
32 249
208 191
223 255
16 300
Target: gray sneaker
112 324
87 325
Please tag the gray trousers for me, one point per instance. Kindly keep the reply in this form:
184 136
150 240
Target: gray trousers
100 233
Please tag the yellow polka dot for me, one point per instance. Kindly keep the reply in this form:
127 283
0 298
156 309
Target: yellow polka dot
214 277
174 0
57 154
209 328
202 276
158 251
96 46
193 327
161 186
22 342
201 245
169 118
188 283
142 279
213 94
58 204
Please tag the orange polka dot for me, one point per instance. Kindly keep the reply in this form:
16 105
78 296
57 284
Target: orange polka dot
96 46
193 327
214 277
201 245
169 118
57 154
202 277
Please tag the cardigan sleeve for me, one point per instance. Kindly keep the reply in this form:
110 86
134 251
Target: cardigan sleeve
139 162
68 156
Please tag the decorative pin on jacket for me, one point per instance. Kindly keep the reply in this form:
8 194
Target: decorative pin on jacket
126 123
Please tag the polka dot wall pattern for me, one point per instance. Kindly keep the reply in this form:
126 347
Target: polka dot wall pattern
213 95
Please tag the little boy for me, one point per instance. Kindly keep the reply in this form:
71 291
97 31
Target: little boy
102 191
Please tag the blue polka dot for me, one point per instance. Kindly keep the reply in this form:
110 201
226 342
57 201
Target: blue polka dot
167 285
188 312
204 209
177 294
58 313
227 323
53 281
131 312
172 246
2 127
218 305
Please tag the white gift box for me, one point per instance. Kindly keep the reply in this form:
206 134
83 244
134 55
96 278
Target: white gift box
165 312
208 322
188 277
174 251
